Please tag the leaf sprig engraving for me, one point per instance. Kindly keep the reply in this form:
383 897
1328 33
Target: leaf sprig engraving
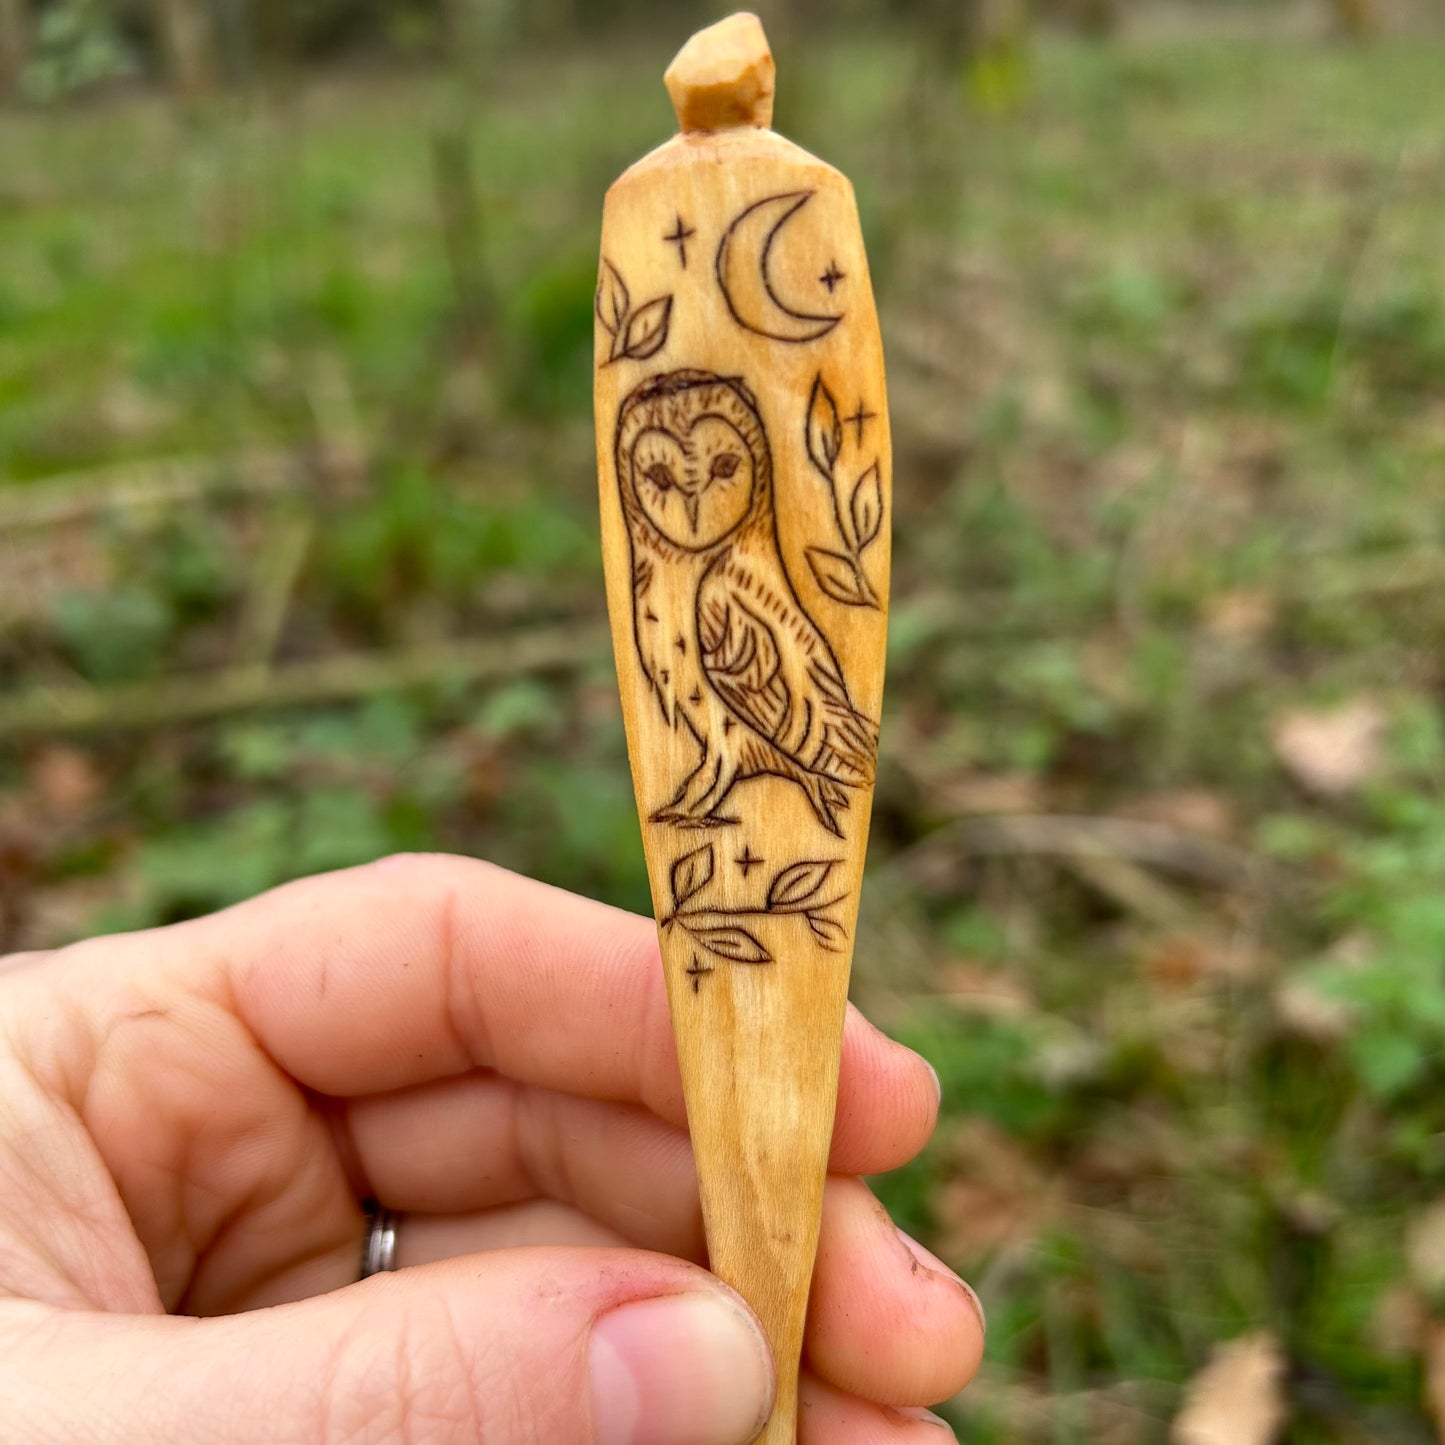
638 334
839 574
794 891
692 873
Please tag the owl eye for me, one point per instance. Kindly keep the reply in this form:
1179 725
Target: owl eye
660 475
725 465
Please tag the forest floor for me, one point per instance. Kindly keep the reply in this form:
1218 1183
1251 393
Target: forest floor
298 566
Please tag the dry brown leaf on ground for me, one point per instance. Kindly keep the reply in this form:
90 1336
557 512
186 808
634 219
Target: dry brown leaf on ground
1194 810
972 989
1334 750
976 1218
996 1197
65 781
1237 1398
1184 960
1241 615
1300 1008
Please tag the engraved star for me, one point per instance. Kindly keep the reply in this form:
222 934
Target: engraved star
696 972
832 276
678 238
859 419
680 645
749 860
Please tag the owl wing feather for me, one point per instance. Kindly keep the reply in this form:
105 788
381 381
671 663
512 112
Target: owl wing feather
642 571
740 659
743 662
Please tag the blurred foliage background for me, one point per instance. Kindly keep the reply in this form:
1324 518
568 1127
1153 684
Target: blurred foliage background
298 565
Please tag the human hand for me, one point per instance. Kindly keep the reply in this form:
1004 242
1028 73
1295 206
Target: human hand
190 1116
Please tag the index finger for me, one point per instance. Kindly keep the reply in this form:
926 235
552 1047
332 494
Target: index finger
418 968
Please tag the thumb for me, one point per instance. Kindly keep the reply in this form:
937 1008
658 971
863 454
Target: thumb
588 1346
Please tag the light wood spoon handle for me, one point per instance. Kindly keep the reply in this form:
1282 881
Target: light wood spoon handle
744 466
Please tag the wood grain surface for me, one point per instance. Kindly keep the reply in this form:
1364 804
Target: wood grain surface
745 481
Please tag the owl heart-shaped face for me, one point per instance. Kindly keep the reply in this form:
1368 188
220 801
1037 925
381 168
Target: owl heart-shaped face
693 476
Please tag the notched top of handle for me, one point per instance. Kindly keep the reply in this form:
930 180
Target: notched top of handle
723 76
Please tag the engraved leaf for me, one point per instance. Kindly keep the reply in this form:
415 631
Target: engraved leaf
866 507
839 578
647 331
828 932
801 881
736 945
691 873
612 299
825 431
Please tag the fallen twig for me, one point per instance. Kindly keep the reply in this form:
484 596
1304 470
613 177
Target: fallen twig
1134 889
151 482
44 711
1155 844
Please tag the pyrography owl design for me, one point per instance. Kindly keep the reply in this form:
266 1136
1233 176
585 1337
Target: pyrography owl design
734 659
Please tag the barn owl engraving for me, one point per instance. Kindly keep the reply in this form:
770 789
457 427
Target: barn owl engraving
732 656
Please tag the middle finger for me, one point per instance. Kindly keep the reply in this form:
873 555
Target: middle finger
482 1139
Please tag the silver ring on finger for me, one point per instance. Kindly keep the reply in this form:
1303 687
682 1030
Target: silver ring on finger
378 1247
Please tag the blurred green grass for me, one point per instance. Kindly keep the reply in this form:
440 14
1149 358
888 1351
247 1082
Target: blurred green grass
1167 353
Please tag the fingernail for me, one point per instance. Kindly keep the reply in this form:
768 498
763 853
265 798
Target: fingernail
927 1417
977 1303
937 1082
687 1369
931 1262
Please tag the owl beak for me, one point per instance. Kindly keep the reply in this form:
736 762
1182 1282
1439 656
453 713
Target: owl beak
692 500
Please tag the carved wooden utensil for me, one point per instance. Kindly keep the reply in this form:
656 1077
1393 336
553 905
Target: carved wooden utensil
743 455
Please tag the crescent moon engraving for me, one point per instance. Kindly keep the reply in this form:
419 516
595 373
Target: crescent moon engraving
743 256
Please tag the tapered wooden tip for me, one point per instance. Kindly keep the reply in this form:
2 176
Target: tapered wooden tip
723 76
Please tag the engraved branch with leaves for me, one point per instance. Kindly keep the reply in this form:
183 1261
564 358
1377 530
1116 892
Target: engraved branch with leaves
638 334
840 574
795 891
